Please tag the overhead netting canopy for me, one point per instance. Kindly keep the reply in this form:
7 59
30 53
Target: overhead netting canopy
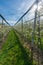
31 23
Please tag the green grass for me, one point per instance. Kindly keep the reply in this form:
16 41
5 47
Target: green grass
13 53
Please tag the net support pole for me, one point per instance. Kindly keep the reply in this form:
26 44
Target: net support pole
22 25
2 23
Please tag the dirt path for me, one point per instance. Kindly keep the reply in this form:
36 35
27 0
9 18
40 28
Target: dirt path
3 39
36 52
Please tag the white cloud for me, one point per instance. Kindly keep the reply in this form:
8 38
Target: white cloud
12 20
21 6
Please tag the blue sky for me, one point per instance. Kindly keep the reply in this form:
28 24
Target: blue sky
13 9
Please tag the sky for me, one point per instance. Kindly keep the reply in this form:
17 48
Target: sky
12 10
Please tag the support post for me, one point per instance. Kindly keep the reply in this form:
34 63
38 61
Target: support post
22 25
